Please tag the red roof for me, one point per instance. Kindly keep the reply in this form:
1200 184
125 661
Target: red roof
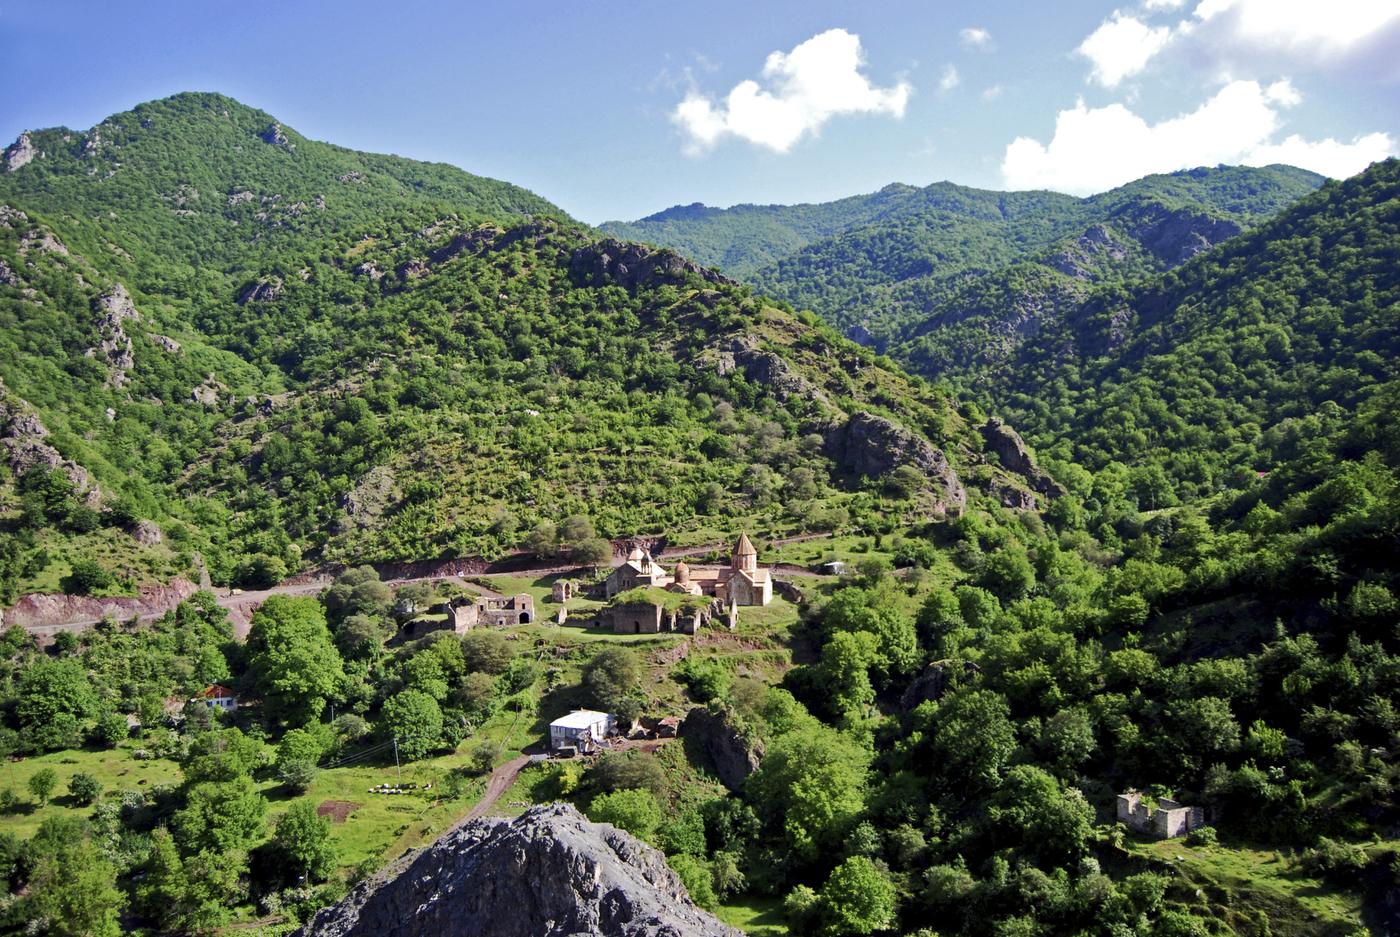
215 691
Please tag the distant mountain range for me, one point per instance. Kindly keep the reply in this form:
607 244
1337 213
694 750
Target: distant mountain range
978 268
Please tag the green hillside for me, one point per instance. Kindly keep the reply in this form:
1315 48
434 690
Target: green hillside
392 376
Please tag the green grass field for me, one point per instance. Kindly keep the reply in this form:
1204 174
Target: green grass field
755 915
116 769
1258 884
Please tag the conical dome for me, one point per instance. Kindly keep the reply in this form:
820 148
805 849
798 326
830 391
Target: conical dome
682 572
745 556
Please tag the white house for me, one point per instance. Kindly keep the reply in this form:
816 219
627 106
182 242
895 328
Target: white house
582 729
215 696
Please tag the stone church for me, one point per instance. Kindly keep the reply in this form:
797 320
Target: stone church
743 582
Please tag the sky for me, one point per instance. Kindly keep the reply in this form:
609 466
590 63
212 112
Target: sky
617 111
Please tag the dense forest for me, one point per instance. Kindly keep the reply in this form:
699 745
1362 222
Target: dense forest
1187 587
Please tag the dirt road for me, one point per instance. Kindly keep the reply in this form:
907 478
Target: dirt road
501 780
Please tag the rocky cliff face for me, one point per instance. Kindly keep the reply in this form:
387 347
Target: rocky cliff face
547 873
24 445
732 757
632 266
1011 449
873 446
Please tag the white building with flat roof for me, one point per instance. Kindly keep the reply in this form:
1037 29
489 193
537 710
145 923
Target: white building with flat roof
582 729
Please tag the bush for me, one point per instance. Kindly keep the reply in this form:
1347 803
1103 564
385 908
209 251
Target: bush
484 757
88 577
84 788
706 679
1204 836
1334 859
633 810
41 784
695 874
111 728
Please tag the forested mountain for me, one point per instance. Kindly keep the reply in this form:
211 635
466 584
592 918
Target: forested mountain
945 276
281 351
1272 357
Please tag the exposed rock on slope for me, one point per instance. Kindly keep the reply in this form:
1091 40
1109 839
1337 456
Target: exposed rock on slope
110 310
24 445
20 153
631 266
732 757
873 446
548 872
1011 449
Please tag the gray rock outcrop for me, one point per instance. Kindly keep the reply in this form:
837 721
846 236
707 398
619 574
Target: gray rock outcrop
632 266
263 291
873 446
20 153
768 369
275 135
546 873
721 746
110 311
1012 452
24 445
1175 235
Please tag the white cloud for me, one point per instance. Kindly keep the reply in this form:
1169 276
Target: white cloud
818 80
1164 4
975 37
1329 157
1327 30
950 78
992 93
1122 47
1094 149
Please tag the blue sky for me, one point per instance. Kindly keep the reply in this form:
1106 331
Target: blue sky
618 111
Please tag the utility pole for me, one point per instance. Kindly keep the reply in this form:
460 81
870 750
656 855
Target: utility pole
397 772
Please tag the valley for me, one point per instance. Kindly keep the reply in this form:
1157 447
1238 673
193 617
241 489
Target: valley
951 516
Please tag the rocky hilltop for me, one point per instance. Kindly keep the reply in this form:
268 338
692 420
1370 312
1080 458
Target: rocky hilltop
546 872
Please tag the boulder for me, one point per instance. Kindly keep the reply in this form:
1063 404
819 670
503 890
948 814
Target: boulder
146 532
546 873
721 747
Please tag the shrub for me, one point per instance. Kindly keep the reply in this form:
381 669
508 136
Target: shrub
84 788
633 810
1204 836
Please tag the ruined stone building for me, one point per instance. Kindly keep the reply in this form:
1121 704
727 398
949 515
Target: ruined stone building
466 613
653 617
1165 820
